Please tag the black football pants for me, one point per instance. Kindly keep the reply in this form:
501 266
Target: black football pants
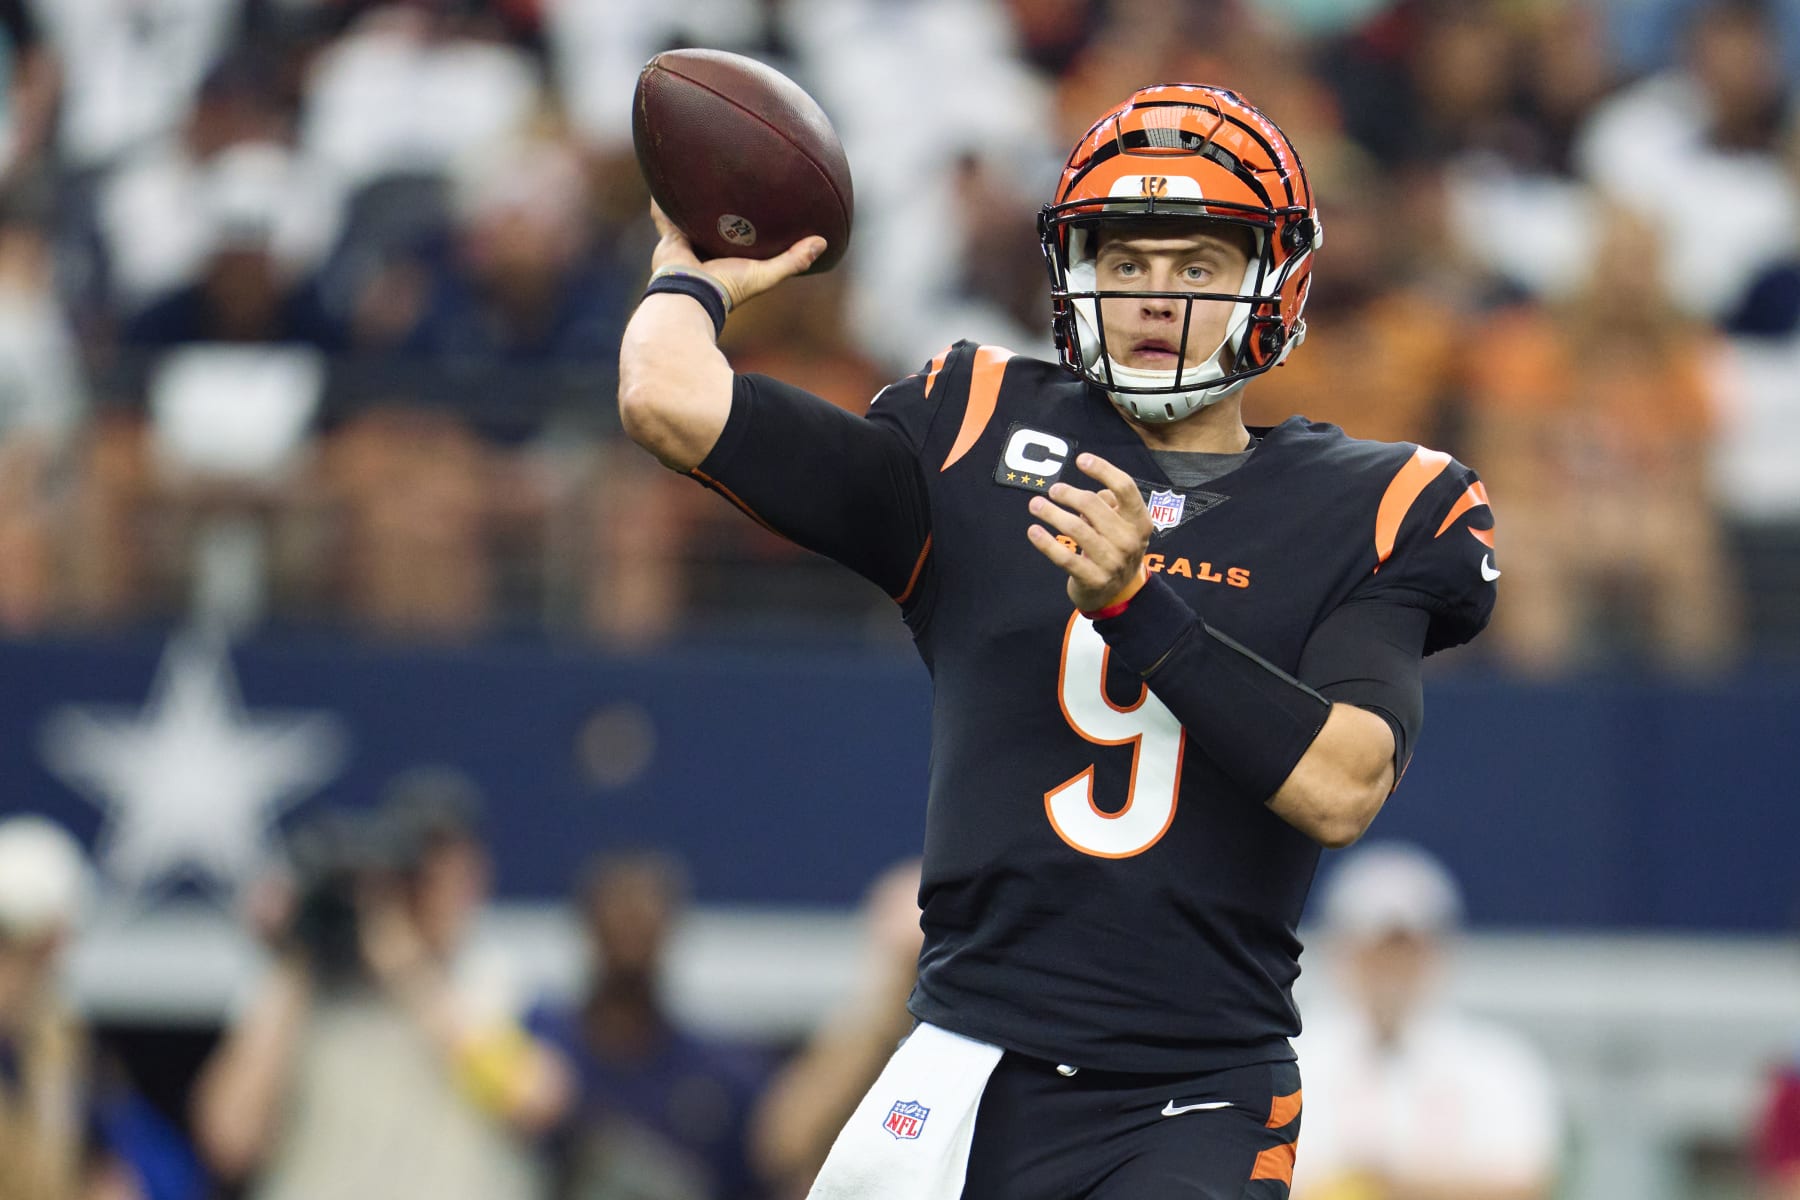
1097 1135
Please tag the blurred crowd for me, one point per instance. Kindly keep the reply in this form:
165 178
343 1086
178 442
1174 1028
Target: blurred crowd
392 1047
386 1052
394 1043
309 309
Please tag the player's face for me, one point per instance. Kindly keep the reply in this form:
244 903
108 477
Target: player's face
1147 333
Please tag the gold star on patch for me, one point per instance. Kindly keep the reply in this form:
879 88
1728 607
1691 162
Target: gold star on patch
1011 477
1040 483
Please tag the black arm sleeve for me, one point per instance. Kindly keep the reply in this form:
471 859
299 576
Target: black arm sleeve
1254 720
846 487
1369 654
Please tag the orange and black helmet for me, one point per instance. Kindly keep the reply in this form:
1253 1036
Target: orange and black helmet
1179 152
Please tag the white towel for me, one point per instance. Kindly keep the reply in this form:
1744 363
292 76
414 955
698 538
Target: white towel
909 1138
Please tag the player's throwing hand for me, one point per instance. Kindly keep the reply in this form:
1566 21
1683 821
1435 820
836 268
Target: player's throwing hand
739 278
1111 530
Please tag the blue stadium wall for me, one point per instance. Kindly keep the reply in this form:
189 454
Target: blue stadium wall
791 777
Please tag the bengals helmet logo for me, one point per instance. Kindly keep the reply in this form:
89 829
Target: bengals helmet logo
1154 187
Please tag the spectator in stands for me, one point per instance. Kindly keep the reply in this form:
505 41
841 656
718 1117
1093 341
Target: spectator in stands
53 1121
468 166
131 74
1759 442
43 403
659 1112
32 86
230 174
1406 1097
597 51
414 87
252 202
526 284
144 102
815 1092
480 347
858 56
232 370
1393 339
43 1151
1777 1138
416 490
1420 81
1697 150
1518 206
1593 421
368 1064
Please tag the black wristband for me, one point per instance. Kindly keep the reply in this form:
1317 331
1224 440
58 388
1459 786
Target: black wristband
696 288
1252 719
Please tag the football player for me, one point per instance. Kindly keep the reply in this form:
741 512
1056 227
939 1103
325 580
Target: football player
1172 657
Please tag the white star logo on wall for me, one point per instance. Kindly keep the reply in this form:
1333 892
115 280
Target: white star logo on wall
192 783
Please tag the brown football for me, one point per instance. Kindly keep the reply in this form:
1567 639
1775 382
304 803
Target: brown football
741 159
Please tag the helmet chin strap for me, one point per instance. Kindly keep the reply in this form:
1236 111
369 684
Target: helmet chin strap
1167 404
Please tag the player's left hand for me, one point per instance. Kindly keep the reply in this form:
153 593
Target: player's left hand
1110 527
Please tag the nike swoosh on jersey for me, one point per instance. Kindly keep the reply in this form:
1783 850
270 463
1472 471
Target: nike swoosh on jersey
1487 568
1171 1110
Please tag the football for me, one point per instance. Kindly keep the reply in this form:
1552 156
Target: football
741 159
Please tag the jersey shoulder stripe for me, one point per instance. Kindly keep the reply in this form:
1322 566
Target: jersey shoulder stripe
1407 485
1474 497
936 365
986 374
945 407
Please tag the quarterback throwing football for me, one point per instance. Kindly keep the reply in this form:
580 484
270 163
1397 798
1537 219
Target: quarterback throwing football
1172 657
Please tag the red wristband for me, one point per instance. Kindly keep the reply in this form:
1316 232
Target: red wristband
1111 610
1121 601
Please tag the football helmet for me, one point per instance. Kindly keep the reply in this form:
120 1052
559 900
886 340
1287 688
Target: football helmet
1177 153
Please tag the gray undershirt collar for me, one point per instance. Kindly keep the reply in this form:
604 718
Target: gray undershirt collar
1197 468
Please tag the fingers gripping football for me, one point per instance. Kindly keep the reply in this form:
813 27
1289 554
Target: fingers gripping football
1110 529
742 278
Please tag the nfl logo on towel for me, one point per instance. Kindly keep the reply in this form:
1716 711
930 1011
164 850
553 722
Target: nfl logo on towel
906 1119
1165 509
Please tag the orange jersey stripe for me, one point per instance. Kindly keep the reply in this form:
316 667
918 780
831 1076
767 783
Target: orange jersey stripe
1282 1110
1277 1162
1476 495
937 364
918 567
1423 467
1484 536
984 394
730 495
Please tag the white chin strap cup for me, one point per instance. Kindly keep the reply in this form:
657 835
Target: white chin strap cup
1166 404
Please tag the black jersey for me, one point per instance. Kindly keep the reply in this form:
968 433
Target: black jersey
1095 891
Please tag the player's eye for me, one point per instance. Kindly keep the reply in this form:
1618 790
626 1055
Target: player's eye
1125 268
1195 273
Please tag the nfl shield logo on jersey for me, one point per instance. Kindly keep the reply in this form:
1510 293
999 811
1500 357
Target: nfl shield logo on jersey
906 1119
1165 509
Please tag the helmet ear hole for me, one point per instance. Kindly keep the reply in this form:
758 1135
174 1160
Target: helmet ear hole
1298 236
1270 340
1062 331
